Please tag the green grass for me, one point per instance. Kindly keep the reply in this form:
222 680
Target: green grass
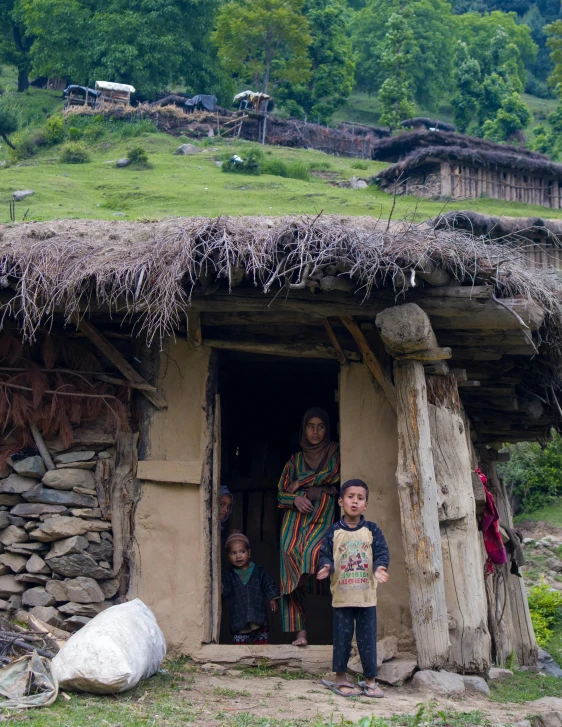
172 699
551 513
174 186
525 686
195 185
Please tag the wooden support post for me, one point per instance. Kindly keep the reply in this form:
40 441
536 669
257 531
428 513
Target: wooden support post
119 361
41 447
194 333
417 492
340 355
463 565
371 360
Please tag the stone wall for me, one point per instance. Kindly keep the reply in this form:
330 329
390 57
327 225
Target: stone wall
56 548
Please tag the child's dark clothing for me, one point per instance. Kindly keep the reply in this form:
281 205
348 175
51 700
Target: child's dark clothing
354 554
248 593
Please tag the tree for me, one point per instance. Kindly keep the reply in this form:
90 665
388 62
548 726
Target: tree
9 118
264 41
148 43
512 117
554 42
533 473
332 64
395 94
434 33
480 33
466 98
15 43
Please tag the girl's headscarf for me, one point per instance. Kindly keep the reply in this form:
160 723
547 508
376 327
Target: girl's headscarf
225 491
316 456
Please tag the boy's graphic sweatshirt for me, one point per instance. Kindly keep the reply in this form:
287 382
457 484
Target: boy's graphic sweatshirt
353 555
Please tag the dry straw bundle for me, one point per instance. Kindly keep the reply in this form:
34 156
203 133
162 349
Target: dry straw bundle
149 271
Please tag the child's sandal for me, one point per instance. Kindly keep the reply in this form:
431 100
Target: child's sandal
336 688
376 691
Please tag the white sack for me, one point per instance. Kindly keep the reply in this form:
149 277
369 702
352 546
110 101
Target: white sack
113 652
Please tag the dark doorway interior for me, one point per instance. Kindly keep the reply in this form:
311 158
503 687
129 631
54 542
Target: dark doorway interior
263 400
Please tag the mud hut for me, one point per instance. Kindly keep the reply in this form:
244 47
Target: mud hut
145 354
538 238
461 173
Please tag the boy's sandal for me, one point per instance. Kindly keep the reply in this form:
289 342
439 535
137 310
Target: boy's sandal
373 692
337 688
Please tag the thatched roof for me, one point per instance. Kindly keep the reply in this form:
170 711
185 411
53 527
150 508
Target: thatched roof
151 269
288 274
399 147
502 228
364 129
428 123
477 158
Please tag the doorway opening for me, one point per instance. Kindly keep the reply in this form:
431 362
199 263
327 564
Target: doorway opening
263 400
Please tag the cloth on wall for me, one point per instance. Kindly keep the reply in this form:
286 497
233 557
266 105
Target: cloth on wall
490 527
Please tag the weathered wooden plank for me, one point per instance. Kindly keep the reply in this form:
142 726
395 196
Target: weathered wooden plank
124 497
194 333
340 355
119 361
429 354
460 539
299 350
185 473
417 491
371 360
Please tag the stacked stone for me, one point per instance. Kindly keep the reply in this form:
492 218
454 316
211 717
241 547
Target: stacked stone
56 551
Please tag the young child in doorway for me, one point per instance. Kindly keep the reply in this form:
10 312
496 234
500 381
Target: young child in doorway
355 553
248 590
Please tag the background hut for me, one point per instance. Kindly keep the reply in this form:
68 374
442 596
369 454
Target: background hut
461 173
538 238
429 347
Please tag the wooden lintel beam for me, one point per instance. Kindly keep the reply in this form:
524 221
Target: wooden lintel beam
429 354
119 361
304 350
340 355
370 359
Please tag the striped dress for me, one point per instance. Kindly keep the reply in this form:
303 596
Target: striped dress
302 533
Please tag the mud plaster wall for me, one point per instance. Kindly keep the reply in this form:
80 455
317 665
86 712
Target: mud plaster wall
168 570
369 447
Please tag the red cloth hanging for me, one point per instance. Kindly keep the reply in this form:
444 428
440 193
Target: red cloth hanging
490 527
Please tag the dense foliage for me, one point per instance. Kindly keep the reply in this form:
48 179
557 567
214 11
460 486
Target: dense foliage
545 606
479 54
533 473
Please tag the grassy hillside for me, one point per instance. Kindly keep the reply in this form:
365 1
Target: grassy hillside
193 185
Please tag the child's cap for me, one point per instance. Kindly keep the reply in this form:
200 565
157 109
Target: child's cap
354 483
237 536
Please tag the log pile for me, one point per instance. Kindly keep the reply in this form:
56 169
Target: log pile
56 542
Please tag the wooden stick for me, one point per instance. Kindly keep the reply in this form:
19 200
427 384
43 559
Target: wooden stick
119 361
370 359
108 378
194 333
42 447
335 343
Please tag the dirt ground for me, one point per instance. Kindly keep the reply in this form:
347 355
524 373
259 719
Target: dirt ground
306 698
538 529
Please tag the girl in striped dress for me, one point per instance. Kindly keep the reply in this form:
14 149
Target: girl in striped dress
307 492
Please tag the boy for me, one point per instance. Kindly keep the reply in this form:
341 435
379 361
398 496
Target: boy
354 551
247 587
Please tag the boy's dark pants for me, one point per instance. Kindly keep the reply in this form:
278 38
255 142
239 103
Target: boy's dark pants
366 634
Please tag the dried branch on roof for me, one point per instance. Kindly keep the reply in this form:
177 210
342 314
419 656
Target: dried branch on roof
149 270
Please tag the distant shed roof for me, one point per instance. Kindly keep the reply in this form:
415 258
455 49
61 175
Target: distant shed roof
429 124
398 147
500 228
495 158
